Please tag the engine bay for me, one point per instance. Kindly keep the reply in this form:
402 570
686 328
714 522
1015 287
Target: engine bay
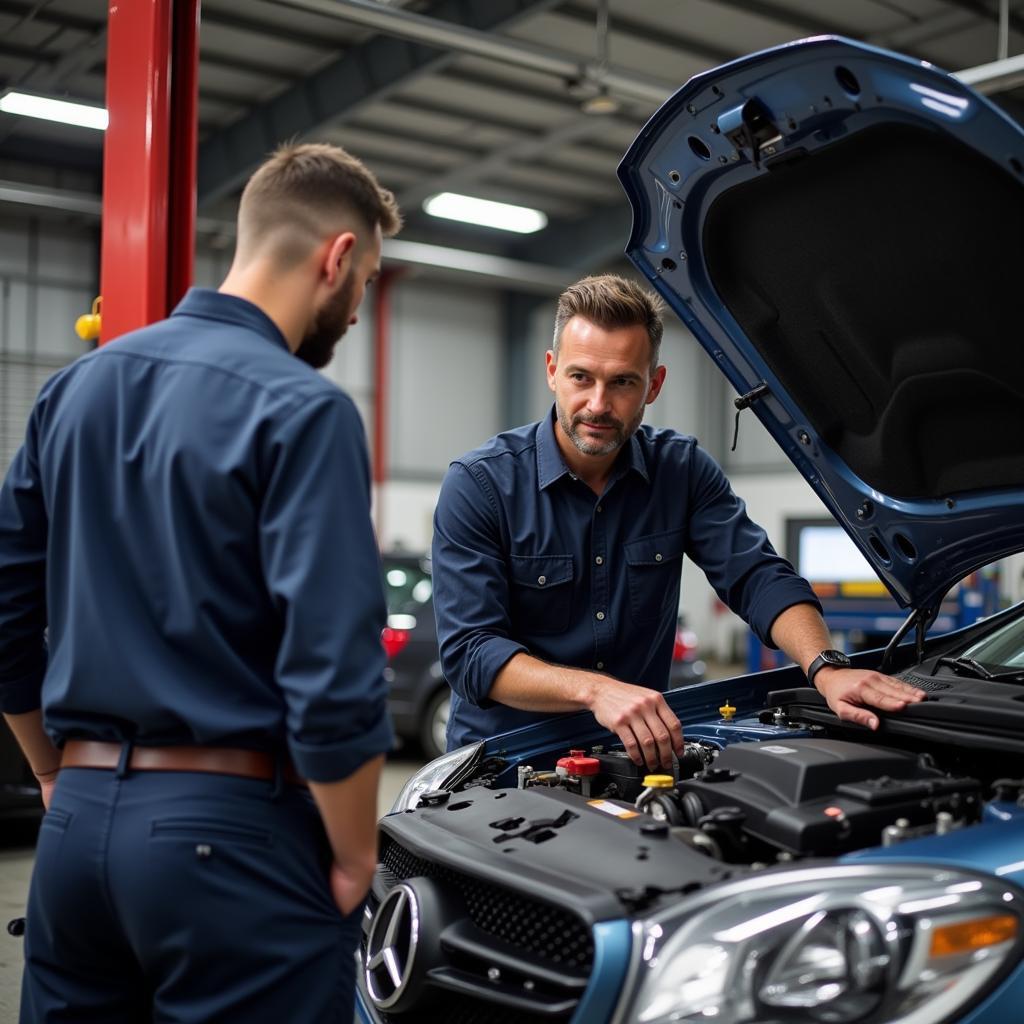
746 794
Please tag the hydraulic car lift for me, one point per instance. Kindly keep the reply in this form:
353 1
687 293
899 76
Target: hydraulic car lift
149 161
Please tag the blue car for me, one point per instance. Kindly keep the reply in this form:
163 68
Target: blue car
843 230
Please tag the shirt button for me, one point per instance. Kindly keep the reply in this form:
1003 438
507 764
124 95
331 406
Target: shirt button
600 664
600 616
543 579
599 509
657 558
599 560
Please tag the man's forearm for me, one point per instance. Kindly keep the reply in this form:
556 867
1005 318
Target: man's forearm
349 812
43 757
800 632
529 684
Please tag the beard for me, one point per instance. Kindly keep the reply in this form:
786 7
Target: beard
329 325
621 434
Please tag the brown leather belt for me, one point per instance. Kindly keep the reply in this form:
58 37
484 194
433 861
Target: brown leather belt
249 764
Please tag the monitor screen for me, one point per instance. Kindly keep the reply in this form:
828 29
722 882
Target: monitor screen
824 553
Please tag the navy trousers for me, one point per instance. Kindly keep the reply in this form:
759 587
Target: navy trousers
181 898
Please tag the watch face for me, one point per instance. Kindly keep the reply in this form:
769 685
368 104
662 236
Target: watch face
834 658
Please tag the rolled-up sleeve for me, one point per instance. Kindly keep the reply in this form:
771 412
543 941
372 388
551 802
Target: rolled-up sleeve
735 553
471 597
23 541
322 570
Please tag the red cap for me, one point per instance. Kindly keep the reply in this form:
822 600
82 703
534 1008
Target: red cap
577 764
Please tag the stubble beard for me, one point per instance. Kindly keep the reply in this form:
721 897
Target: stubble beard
623 432
331 323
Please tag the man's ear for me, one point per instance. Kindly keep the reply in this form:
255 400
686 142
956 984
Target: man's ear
340 251
552 366
657 380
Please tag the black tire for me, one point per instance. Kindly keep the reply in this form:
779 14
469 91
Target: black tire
435 719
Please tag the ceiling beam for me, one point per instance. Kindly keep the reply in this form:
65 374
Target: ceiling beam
989 12
366 72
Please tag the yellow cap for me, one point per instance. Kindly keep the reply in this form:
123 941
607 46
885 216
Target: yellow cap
727 711
659 781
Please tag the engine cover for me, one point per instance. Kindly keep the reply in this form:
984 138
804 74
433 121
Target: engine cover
823 797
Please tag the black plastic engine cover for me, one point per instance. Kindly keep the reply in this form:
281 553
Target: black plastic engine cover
822 797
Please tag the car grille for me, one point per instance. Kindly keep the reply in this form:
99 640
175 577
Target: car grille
550 933
543 935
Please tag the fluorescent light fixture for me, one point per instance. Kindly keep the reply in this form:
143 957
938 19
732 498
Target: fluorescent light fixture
64 111
471 210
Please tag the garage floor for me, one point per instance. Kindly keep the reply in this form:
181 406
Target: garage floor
16 867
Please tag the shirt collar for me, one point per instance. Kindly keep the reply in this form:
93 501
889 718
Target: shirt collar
551 466
213 305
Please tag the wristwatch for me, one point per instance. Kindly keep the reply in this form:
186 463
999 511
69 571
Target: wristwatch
827 659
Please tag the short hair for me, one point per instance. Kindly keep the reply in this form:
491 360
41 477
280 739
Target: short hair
610 301
305 192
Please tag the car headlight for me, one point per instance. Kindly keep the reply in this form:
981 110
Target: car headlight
858 944
442 773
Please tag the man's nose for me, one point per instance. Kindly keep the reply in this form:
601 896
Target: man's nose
598 401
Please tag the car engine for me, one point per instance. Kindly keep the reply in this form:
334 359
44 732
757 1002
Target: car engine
762 802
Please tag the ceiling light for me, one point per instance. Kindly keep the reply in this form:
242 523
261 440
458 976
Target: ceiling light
471 210
63 111
602 103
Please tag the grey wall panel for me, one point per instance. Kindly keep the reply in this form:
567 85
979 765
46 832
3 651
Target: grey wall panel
13 245
64 254
446 365
57 308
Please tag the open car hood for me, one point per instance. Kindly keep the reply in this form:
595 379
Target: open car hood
843 230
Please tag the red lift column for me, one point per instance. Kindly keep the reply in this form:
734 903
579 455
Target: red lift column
149 167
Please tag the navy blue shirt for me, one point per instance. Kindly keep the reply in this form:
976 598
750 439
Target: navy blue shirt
527 558
186 552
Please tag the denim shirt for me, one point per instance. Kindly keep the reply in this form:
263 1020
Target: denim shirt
527 558
186 551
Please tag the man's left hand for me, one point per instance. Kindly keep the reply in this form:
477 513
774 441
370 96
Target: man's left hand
850 692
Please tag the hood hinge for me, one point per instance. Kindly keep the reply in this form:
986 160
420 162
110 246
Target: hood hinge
750 127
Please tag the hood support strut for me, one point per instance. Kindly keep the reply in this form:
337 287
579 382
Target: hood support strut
922 618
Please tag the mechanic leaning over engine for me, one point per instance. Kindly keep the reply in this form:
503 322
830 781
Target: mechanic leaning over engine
189 518
558 550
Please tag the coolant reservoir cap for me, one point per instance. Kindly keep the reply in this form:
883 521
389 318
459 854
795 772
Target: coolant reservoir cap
579 764
659 781
727 711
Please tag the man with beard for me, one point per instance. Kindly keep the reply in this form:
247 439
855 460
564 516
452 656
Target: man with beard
190 616
558 550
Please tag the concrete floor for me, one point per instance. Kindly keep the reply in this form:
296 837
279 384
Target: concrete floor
16 850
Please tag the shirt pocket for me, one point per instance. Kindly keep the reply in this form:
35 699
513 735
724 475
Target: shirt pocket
653 567
540 593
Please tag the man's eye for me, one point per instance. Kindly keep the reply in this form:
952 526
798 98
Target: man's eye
577 377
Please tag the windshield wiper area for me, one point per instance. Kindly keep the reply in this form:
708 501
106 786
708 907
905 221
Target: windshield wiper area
975 669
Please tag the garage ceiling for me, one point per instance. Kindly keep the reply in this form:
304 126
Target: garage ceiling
430 118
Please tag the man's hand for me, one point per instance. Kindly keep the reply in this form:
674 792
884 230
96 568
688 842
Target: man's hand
849 692
47 780
642 719
349 885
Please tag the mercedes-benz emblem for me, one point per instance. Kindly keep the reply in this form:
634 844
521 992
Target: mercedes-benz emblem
391 946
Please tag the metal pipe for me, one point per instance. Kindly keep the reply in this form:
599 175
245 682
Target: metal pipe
485 267
998 76
447 36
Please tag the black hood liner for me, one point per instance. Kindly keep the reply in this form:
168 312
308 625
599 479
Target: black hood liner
881 280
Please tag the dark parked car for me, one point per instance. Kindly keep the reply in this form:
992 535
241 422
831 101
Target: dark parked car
419 696
843 230
19 793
